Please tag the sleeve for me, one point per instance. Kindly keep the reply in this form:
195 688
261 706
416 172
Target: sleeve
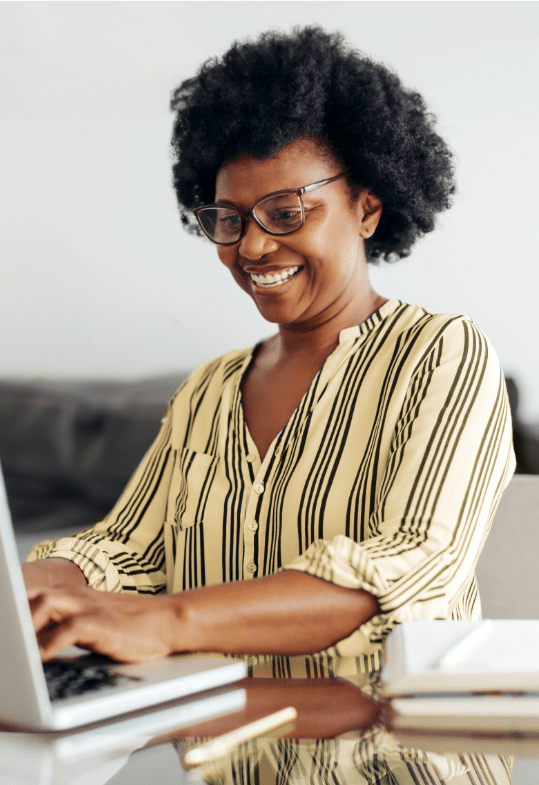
451 456
125 551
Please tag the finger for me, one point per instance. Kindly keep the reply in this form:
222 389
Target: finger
33 592
80 632
60 636
52 608
54 638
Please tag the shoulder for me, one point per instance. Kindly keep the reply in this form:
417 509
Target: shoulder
417 338
405 316
413 323
450 340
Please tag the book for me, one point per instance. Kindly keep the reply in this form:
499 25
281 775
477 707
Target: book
469 676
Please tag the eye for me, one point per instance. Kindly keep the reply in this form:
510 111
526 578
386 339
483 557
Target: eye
280 213
285 215
229 222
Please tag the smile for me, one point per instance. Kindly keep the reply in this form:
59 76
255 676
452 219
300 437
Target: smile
274 279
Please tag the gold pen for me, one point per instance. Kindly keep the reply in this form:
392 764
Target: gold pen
223 745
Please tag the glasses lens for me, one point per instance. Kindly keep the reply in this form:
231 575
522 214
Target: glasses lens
281 213
221 224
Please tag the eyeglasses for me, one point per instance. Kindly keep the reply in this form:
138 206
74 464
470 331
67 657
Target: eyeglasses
280 212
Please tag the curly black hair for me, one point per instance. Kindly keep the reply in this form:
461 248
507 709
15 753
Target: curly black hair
262 95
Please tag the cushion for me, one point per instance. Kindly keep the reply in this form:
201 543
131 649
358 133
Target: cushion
68 447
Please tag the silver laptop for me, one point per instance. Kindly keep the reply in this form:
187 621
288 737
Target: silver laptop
111 689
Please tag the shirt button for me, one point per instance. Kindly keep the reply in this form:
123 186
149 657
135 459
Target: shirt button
252 525
252 660
251 457
251 567
258 488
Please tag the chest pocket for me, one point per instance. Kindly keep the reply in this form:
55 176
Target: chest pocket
190 488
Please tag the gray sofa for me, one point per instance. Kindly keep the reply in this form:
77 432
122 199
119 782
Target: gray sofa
67 448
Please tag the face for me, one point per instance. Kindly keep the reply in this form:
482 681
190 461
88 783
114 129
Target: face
322 266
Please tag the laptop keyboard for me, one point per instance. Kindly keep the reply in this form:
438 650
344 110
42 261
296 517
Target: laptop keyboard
66 679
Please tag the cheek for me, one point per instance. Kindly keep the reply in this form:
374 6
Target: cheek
334 253
227 257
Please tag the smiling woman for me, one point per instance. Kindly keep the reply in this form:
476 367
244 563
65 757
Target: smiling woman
323 285
351 463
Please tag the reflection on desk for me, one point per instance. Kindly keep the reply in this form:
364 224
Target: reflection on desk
342 735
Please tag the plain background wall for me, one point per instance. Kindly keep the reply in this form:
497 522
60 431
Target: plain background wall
97 277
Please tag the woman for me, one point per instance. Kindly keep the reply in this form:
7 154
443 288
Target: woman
352 463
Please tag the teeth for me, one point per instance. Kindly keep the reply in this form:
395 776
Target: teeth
275 278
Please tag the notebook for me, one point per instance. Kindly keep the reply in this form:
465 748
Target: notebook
480 676
115 689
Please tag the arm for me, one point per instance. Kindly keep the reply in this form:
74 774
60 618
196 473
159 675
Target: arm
288 613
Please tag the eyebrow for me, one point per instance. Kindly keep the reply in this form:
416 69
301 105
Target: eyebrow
229 203
226 202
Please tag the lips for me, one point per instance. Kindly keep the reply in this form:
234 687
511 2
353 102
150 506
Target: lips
274 279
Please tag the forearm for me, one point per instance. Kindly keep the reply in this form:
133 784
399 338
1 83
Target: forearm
287 613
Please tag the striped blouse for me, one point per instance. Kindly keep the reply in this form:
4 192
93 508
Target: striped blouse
386 478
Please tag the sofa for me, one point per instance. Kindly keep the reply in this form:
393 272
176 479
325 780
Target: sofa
67 448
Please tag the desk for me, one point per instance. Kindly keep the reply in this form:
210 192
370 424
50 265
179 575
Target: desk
342 735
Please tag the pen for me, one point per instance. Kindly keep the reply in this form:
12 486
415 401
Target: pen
224 745
459 649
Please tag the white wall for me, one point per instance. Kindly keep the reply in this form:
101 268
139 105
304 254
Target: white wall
97 276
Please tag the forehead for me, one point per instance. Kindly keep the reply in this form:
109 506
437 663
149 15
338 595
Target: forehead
244 179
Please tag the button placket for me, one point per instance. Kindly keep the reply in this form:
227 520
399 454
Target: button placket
251 524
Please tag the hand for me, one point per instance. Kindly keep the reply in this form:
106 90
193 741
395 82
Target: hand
128 628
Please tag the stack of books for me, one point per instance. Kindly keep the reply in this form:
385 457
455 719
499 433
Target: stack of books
480 676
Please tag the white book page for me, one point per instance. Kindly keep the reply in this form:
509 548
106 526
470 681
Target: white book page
505 646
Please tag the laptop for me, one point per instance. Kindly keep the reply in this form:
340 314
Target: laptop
109 689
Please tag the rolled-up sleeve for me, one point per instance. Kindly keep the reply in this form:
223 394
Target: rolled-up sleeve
451 457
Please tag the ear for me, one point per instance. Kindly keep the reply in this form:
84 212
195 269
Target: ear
369 212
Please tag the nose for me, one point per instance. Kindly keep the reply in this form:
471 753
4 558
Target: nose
256 243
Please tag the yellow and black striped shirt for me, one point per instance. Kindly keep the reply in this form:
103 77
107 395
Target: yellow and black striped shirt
386 477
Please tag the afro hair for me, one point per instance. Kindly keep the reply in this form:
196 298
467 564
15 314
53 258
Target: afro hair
263 94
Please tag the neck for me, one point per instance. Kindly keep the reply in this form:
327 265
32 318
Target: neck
322 337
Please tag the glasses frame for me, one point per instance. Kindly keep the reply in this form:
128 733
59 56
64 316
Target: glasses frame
244 215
